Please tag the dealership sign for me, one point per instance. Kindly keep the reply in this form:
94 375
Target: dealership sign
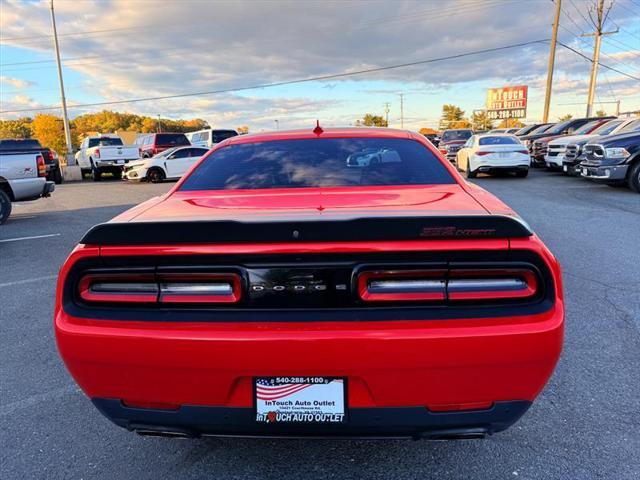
507 102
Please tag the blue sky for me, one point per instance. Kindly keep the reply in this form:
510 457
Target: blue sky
119 49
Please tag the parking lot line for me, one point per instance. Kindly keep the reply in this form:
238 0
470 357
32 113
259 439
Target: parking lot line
29 238
28 280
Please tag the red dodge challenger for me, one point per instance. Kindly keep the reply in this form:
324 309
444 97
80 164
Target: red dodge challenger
339 282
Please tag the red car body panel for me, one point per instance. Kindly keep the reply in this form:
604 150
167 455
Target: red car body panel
439 365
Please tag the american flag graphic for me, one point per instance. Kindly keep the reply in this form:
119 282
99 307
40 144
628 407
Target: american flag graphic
268 389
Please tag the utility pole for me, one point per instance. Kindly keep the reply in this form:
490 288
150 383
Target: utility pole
159 127
65 118
617 108
386 112
401 110
277 122
552 61
598 23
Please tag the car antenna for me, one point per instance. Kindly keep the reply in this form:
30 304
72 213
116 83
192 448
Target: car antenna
318 130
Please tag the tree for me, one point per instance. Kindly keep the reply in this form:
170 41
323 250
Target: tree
510 123
20 128
568 116
49 131
601 113
460 124
427 131
370 120
481 121
243 130
450 114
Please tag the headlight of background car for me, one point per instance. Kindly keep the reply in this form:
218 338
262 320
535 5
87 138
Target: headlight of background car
616 152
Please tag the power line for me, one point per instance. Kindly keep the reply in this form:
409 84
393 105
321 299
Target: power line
577 52
290 82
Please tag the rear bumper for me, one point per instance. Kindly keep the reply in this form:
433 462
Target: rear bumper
416 422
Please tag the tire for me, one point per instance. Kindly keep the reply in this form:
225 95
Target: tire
468 171
155 175
5 206
522 173
57 176
96 173
634 177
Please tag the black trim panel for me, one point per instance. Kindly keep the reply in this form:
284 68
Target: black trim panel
312 313
329 230
416 422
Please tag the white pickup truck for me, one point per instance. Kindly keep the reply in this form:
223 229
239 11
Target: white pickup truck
105 153
22 177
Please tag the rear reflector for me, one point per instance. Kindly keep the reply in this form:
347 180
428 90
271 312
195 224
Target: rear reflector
167 288
408 285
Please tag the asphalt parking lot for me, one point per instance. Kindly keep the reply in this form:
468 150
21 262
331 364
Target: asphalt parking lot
585 425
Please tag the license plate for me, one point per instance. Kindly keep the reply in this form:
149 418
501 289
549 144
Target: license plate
584 171
119 162
300 399
564 168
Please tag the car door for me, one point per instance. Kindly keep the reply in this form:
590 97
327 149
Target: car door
463 154
179 162
195 154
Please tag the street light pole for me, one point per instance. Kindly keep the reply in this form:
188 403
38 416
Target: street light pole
65 118
401 110
552 60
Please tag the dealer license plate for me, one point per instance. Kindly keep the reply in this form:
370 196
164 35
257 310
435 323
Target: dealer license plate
300 399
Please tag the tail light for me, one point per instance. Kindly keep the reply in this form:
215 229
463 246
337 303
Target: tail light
524 152
96 153
451 285
482 153
160 289
443 151
51 155
140 152
42 169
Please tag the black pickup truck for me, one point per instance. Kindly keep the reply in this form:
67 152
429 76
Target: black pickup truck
31 145
614 160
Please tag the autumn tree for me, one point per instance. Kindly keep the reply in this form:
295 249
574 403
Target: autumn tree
568 116
450 115
427 131
19 128
243 130
510 123
49 131
481 121
601 113
460 124
370 120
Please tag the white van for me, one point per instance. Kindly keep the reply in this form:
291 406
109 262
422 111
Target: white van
209 137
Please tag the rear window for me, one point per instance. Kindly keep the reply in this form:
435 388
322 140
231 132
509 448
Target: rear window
105 142
220 135
331 162
17 144
171 139
450 135
498 141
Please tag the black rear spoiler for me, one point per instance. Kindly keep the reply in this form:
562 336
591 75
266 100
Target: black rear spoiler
330 230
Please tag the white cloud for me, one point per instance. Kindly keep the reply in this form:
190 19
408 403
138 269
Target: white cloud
15 82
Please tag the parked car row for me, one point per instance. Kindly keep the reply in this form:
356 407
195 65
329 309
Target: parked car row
603 149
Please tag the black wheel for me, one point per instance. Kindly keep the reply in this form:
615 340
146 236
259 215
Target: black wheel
634 177
522 173
57 176
96 173
468 171
5 206
155 175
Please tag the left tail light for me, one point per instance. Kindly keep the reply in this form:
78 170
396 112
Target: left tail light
161 288
96 153
42 169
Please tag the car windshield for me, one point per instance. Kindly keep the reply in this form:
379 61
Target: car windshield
542 129
498 140
171 139
607 128
221 135
586 128
452 135
559 127
330 162
631 127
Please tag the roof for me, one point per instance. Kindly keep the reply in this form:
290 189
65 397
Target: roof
496 134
